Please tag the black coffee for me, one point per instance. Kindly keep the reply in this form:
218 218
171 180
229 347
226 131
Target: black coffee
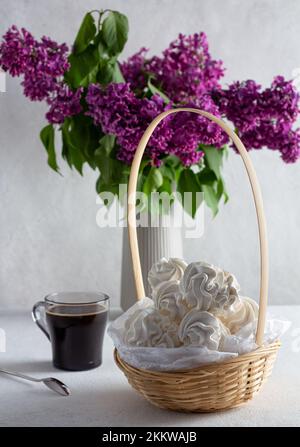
76 335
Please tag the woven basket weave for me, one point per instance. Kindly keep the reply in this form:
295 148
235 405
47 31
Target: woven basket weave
216 386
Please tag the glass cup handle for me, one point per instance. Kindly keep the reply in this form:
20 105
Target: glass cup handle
39 317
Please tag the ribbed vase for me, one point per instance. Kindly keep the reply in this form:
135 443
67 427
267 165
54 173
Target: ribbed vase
154 243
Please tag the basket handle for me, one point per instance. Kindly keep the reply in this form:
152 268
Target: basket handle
263 242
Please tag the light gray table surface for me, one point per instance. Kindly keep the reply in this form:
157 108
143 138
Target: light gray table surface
103 398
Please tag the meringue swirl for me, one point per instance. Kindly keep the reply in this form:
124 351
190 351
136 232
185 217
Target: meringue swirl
166 270
168 299
201 283
243 312
200 328
228 292
196 305
148 327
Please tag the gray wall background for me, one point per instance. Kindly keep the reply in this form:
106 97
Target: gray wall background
49 239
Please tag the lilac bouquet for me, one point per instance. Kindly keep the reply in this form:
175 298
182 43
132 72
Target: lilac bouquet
102 106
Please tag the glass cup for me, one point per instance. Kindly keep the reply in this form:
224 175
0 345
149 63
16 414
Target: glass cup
74 322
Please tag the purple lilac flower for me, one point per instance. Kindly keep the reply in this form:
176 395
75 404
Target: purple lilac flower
42 64
282 98
134 70
184 72
290 146
45 67
15 50
121 113
275 137
263 118
190 130
65 103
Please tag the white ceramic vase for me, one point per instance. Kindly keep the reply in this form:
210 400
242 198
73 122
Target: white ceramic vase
154 243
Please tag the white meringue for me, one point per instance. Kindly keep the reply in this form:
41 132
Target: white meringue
228 293
196 305
168 299
201 283
241 313
200 328
148 327
166 270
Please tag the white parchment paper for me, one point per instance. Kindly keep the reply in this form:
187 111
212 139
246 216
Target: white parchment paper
172 359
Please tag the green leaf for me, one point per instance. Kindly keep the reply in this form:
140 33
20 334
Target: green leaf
153 181
86 34
225 152
115 32
113 171
206 177
47 137
168 172
105 72
174 164
107 143
102 48
84 135
166 199
188 182
221 190
70 151
117 74
101 186
90 77
211 198
80 140
214 159
84 67
166 186
173 161
105 166
140 182
155 91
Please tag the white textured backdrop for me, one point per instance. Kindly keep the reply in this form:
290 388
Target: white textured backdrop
49 239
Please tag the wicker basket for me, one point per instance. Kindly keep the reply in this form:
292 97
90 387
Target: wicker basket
216 386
